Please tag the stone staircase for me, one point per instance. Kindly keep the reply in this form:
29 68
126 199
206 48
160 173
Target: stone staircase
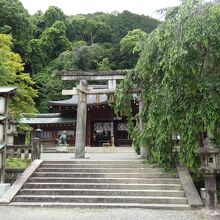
101 184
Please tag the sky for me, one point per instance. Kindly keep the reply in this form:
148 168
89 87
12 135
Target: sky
73 7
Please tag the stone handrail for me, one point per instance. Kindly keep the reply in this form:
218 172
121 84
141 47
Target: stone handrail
18 151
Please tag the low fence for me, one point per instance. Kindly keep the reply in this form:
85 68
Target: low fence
18 151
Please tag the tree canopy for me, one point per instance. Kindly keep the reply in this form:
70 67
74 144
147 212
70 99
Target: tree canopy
178 73
11 73
15 20
130 47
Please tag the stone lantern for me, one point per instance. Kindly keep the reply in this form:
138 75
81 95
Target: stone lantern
36 144
5 93
38 133
210 167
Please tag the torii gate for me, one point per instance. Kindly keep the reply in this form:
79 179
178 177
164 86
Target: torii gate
82 91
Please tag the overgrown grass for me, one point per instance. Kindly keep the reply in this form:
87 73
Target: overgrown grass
15 163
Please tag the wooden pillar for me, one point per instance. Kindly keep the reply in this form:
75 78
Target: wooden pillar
81 121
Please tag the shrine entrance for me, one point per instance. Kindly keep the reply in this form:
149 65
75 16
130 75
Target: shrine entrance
109 133
101 134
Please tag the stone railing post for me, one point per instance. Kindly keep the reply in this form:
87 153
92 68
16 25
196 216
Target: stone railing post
2 163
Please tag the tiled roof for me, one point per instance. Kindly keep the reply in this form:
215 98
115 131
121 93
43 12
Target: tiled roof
7 89
56 118
91 100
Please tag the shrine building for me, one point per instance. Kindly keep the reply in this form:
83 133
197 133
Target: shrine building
103 127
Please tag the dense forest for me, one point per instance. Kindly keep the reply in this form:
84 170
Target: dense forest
46 43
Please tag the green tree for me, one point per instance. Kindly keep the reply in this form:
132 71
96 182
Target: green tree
78 44
15 20
89 30
89 56
130 47
52 43
52 15
45 20
48 82
104 65
11 74
82 58
178 71
49 86
122 23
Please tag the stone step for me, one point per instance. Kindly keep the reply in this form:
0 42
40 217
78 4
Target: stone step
99 175
103 205
42 185
101 199
105 180
107 149
84 161
103 192
83 166
101 170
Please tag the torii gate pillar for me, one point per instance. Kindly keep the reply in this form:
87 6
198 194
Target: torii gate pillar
81 121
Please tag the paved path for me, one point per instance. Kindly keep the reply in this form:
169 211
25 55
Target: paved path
90 156
15 213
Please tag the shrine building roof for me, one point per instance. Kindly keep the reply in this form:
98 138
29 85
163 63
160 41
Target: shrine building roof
51 118
91 100
8 90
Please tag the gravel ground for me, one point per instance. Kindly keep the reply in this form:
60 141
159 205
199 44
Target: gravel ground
17 213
